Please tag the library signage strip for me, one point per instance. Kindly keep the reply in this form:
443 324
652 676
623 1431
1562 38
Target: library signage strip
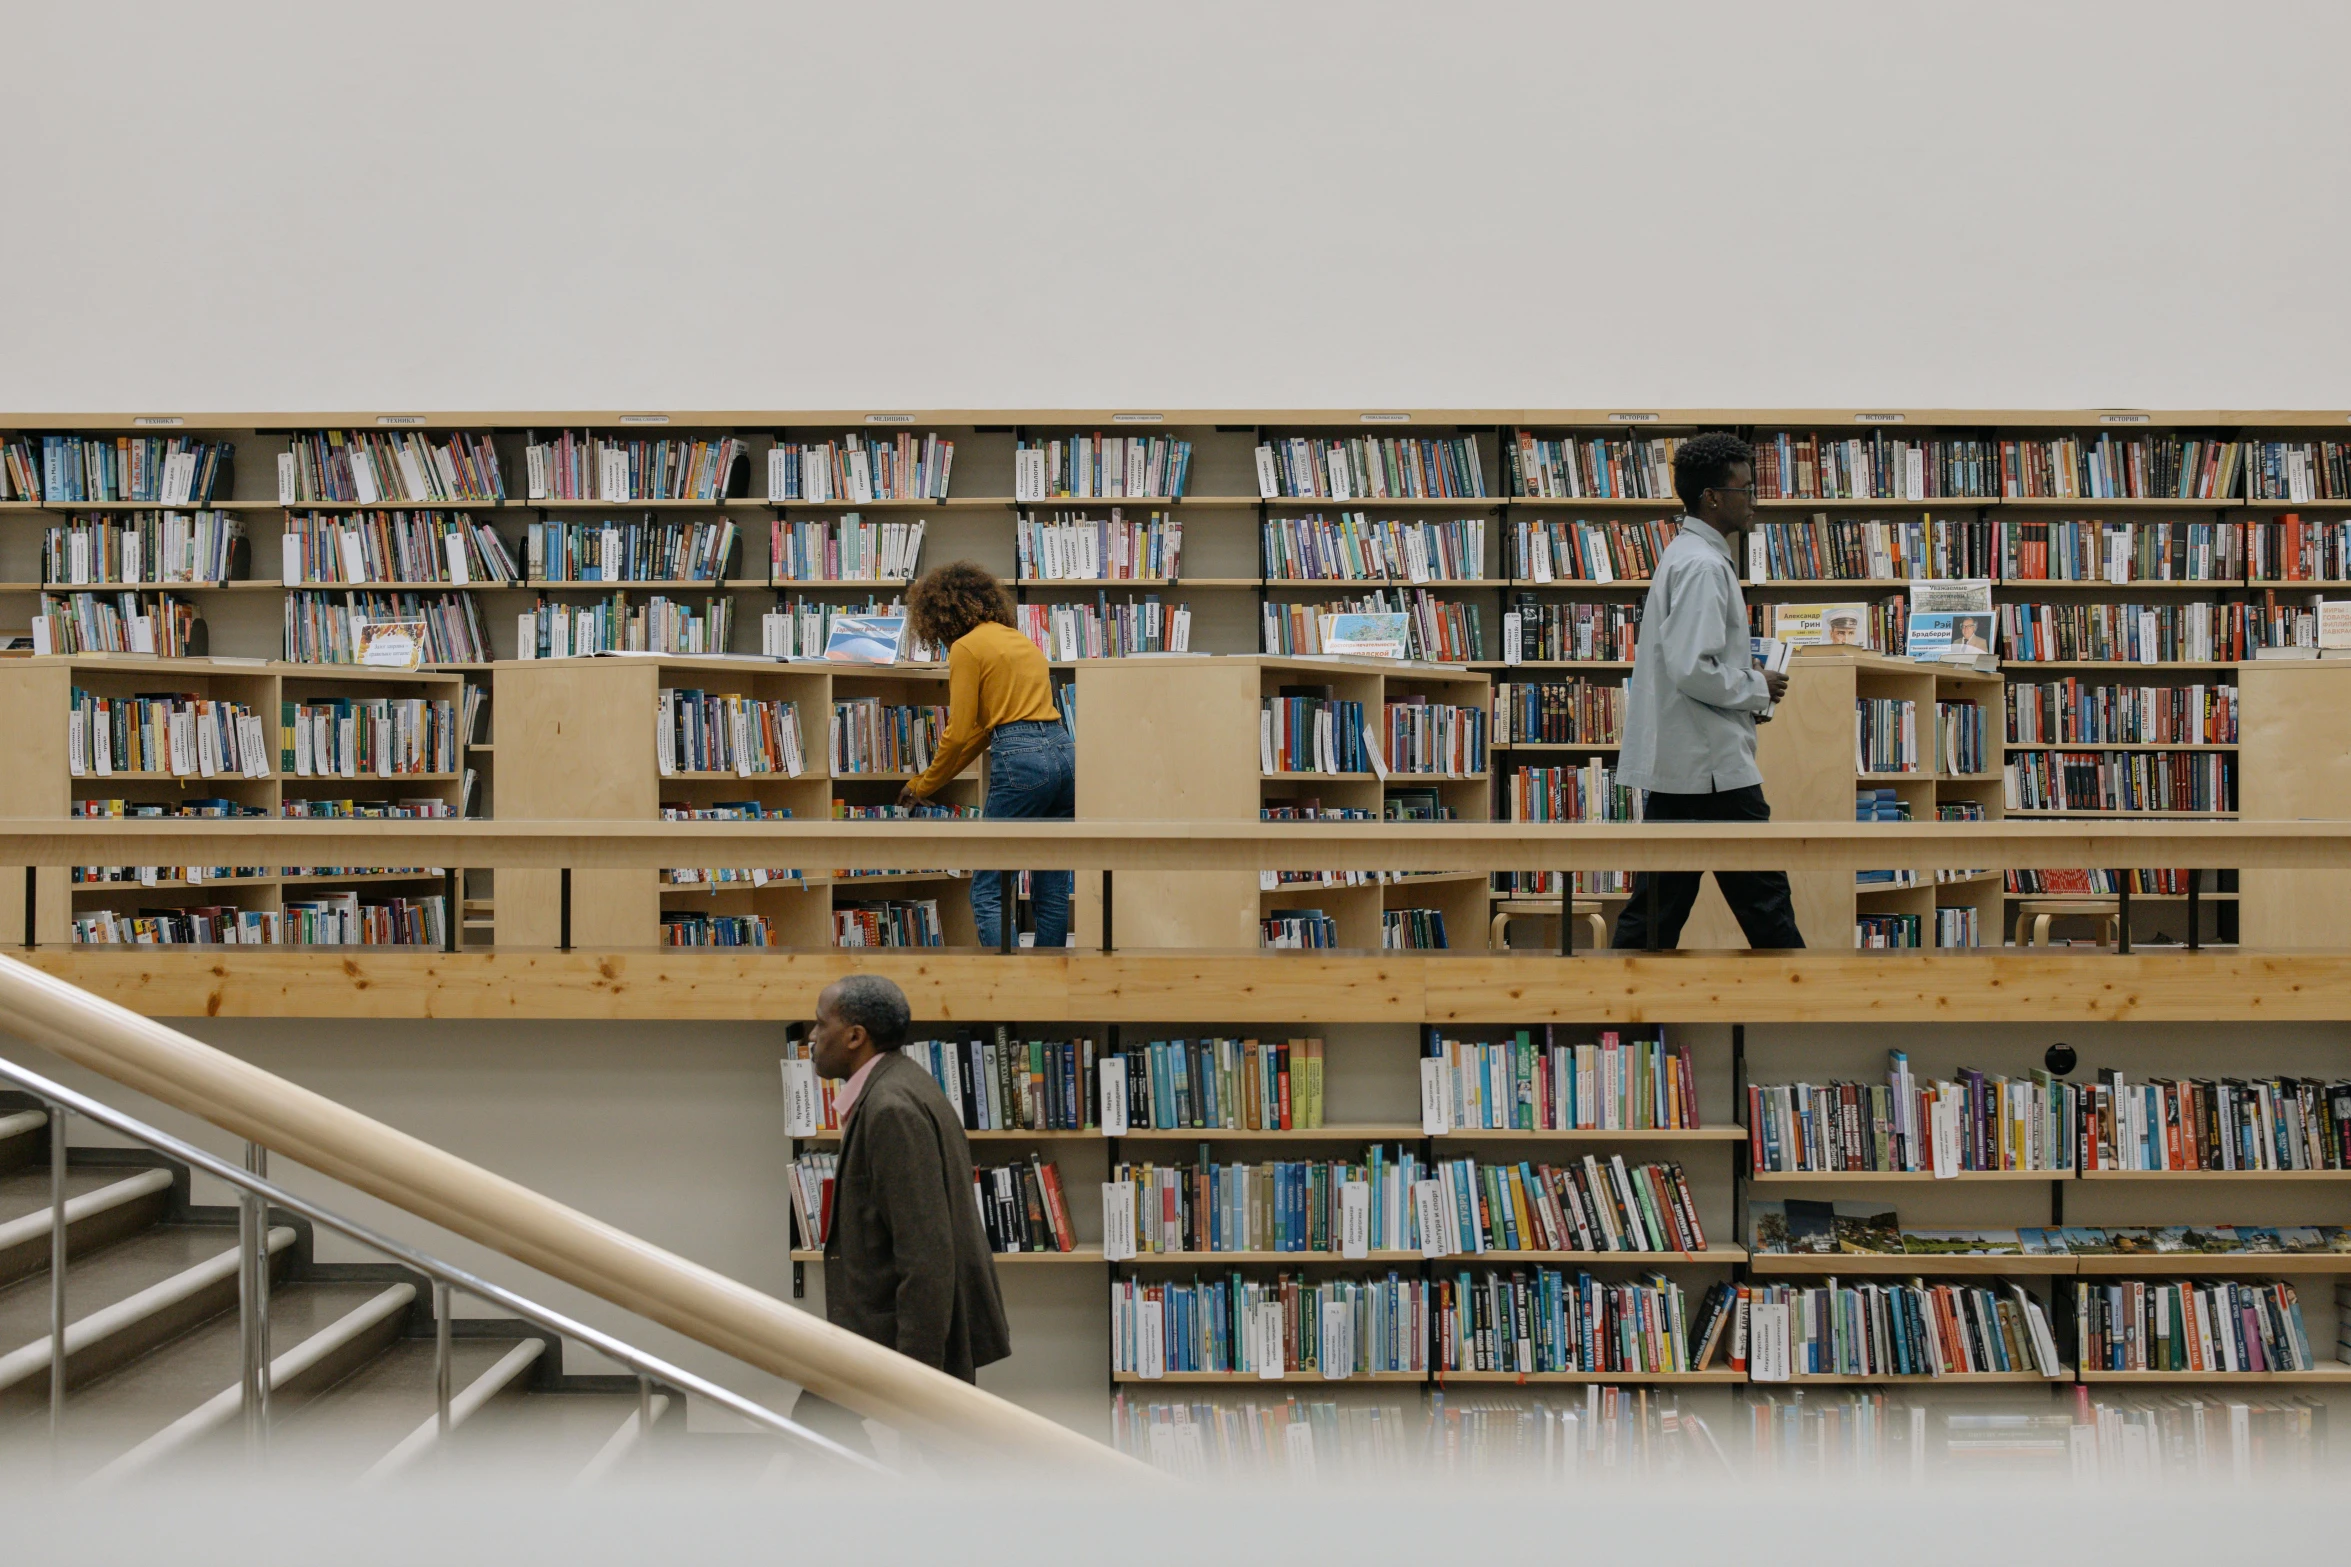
1339 1081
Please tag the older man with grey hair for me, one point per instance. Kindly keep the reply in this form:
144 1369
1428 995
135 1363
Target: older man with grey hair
906 1261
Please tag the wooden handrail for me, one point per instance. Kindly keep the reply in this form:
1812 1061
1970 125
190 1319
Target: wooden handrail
419 1179
1186 845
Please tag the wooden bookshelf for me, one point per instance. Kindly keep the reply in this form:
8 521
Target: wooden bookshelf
36 697
1176 739
581 738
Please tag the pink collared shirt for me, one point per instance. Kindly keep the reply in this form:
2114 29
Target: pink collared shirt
845 1099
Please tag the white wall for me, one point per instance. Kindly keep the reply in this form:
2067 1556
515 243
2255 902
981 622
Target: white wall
744 204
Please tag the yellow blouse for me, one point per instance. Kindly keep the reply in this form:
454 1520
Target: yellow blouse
994 676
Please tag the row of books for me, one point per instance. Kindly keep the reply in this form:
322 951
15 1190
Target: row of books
2095 551
1354 548
1323 1207
375 467
716 930
1559 712
1802 1228
909 922
1536 632
1370 468
171 470
873 736
2289 549
1412 930
646 551
802 628
1868 1329
1293 929
845 549
176 736
2198 781
1436 630
1067 548
338 920
2074 711
1885 735
2098 883
1878 549
1100 467
1959 925
1960 739
1333 1327
2126 633
1612 1083
1610 1434
1073 629
1971 1121
1300 731
716 876
1561 551
167 546
1217 1083
860 470
1023 1206
159 623
1464 1207
1443 738
394 546
1806 466
1601 467
2283 1123
1533 1321
713 732
2298 470
377 737
550 629
1888 932
1006 1084
325 628
1589 793
585 466
2192 1325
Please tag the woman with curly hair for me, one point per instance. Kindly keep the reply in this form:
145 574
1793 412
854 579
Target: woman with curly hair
999 699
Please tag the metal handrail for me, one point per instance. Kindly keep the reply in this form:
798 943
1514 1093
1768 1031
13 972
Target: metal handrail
446 1276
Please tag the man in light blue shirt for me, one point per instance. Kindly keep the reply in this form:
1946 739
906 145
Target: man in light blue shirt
1694 700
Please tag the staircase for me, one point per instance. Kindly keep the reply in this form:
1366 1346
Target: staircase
152 1345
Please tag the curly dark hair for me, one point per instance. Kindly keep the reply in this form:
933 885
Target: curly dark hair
947 601
1704 461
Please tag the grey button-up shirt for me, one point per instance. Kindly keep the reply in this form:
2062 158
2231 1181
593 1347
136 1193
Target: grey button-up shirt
1689 723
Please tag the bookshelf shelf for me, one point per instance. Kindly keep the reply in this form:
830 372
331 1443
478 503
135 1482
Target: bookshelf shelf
1659 1134
1349 584
1714 1374
2142 585
1956 1379
1558 745
2157 502
1283 505
1396 1132
1251 1378
1090 584
1884 1177
1081 1254
1956 1265
2325 1371
2151 816
673 585
2109 745
2248 1176
1500 667
2218 1262
832 1135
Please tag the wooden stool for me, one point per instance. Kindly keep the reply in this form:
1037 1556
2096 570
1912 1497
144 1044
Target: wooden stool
2038 912
1531 908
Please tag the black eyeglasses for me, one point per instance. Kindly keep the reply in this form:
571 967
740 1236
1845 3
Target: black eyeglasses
1747 490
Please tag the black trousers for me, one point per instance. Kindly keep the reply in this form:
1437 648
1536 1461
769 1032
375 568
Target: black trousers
1758 898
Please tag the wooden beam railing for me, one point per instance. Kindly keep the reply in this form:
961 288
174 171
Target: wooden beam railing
1189 846
511 1219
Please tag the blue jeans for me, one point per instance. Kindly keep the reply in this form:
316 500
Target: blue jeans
1032 775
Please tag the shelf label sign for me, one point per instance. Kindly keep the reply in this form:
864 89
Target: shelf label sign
1354 1218
889 418
1633 418
2126 418
399 418
1114 1097
1118 1220
1879 418
644 418
1384 418
802 1105
145 421
1138 418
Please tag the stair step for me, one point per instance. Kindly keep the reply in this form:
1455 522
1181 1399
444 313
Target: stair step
554 1437
354 1425
131 1298
102 1205
502 1381
117 1413
20 1136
